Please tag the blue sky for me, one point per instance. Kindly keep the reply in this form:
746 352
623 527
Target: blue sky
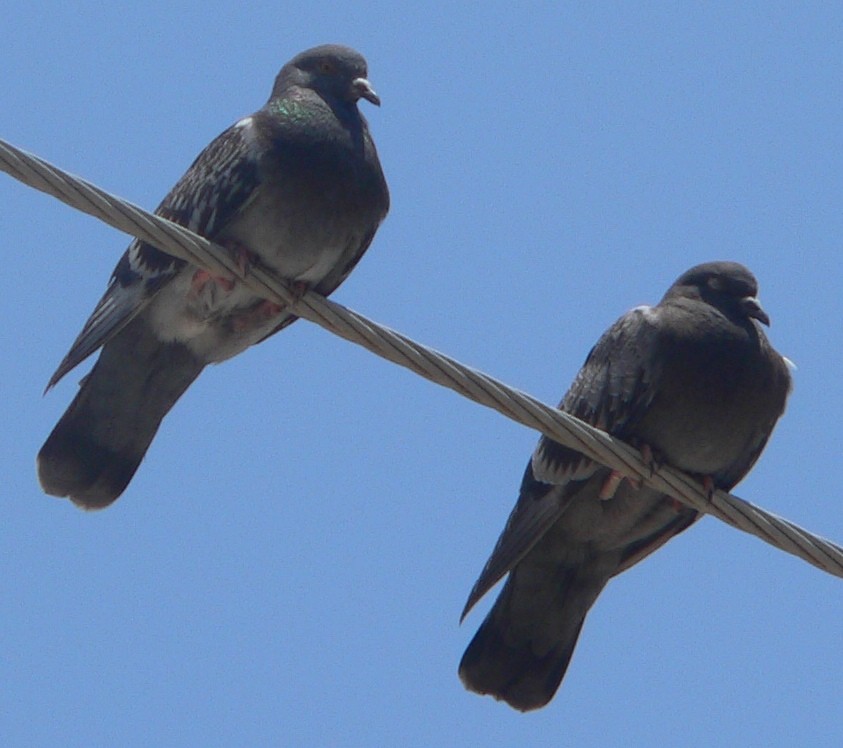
289 564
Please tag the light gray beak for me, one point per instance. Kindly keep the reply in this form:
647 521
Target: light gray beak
753 309
363 90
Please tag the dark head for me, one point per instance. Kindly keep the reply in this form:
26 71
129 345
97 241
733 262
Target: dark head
335 72
727 286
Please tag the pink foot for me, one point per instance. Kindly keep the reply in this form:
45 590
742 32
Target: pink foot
299 289
610 486
242 256
202 278
649 458
267 309
256 316
650 461
243 259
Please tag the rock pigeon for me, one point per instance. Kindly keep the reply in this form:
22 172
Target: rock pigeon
692 382
296 187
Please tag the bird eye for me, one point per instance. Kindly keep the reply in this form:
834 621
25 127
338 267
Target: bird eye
715 283
326 67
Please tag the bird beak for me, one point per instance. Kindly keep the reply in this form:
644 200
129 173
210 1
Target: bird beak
363 90
753 309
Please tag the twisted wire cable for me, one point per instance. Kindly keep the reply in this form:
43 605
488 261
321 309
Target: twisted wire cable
424 361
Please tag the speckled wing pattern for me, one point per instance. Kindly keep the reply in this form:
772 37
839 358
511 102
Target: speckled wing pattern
218 185
611 392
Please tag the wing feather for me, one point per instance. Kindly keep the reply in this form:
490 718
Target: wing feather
611 391
219 184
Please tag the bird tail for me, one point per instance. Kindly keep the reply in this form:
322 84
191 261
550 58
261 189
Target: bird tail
521 651
96 447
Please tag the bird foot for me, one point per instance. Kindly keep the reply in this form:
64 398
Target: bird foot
201 278
708 488
298 289
256 316
610 486
267 309
243 258
613 482
652 462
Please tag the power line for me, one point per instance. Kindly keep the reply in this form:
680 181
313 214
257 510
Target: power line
437 367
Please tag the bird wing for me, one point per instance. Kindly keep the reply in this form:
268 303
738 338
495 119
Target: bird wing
611 392
218 185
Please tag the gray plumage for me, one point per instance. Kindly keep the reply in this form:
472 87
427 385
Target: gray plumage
695 380
296 187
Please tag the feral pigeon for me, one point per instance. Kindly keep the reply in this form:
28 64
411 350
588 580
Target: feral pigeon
295 187
692 382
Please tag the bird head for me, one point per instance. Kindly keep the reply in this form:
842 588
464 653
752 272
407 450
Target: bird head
728 286
335 72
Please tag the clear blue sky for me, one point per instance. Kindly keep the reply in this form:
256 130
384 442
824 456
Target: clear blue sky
289 564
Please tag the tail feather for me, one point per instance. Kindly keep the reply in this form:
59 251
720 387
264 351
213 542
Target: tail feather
508 667
522 649
96 447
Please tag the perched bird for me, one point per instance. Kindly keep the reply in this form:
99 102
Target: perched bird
295 187
694 383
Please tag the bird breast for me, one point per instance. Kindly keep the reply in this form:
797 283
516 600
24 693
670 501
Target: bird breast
712 408
289 239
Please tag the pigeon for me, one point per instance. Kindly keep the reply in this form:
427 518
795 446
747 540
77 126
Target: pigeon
297 188
692 382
